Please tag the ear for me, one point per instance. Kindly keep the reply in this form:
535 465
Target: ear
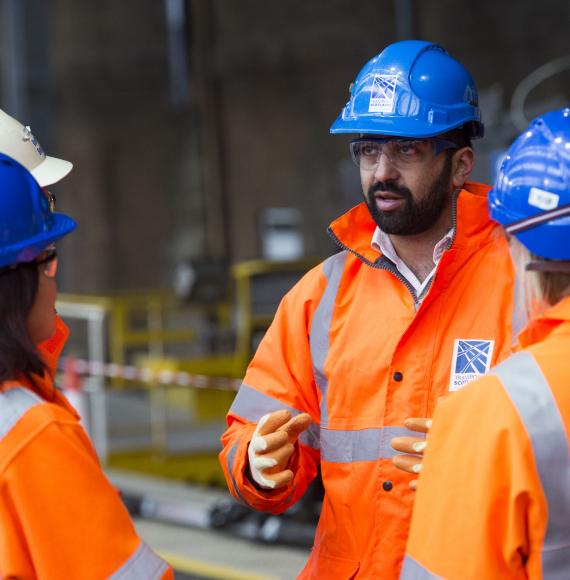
462 165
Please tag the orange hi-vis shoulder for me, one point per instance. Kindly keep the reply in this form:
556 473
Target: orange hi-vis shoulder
59 515
493 498
353 346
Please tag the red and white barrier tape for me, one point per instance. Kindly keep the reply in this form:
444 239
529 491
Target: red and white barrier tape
75 368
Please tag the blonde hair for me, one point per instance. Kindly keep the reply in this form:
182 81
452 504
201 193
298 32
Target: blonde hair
541 289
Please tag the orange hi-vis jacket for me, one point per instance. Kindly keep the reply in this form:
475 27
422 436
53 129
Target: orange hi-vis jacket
352 346
59 515
494 495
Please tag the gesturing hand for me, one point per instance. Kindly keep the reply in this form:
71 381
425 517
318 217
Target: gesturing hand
272 447
411 445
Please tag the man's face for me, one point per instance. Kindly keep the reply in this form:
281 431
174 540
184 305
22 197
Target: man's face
408 200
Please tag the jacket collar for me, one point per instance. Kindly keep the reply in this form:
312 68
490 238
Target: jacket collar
542 326
353 231
50 351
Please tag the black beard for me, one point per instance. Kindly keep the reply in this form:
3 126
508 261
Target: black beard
415 217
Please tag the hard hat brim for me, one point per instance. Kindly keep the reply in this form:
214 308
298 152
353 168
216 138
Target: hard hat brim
27 250
51 170
396 127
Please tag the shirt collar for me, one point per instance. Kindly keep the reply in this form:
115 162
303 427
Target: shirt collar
382 243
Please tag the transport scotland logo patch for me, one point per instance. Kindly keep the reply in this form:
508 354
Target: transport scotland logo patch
471 359
382 94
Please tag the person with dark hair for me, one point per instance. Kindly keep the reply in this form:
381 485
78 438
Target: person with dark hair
59 515
417 302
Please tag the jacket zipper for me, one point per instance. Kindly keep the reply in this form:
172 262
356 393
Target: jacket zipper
382 264
385 264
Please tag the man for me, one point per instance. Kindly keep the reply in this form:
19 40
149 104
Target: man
418 302
18 142
494 495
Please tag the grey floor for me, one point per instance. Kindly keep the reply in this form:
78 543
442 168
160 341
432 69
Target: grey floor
176 526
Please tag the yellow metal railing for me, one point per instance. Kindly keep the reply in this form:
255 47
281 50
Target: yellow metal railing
118 310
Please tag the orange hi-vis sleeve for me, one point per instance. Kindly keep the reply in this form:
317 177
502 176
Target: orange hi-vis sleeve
493 498
60 517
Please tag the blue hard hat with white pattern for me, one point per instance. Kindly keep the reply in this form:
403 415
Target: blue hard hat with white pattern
414 89
531 195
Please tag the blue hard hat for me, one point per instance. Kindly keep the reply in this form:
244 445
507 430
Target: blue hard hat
27 226
531 196
411 89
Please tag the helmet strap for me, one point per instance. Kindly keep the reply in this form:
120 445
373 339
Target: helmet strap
537 220
548 266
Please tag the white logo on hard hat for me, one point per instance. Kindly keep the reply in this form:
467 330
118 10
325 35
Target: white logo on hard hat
382 94
543 199
27 135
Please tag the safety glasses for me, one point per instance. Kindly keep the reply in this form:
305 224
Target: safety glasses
401 153
51 199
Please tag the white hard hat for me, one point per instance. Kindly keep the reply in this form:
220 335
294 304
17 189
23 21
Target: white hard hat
17 142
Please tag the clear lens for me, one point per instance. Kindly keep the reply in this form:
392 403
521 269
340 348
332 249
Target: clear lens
50 198
366 153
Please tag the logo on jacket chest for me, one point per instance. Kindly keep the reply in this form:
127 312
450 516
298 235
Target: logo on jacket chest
471 359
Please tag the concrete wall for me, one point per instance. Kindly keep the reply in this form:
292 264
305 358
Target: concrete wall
153 184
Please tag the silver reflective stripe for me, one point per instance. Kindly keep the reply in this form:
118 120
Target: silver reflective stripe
144 564
14 403
333 268
530 393
412 570
339 446
251 404
231 463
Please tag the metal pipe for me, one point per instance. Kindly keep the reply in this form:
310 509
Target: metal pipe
177 55
405 19
14 76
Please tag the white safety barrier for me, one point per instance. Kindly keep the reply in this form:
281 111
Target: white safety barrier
74 368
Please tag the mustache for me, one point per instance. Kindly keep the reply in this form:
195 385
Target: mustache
390 186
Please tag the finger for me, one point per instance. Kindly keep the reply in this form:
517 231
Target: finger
263 463
295 426
409 444
272 421
416 424
408 463
269 442
281 479
413 484
280 458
